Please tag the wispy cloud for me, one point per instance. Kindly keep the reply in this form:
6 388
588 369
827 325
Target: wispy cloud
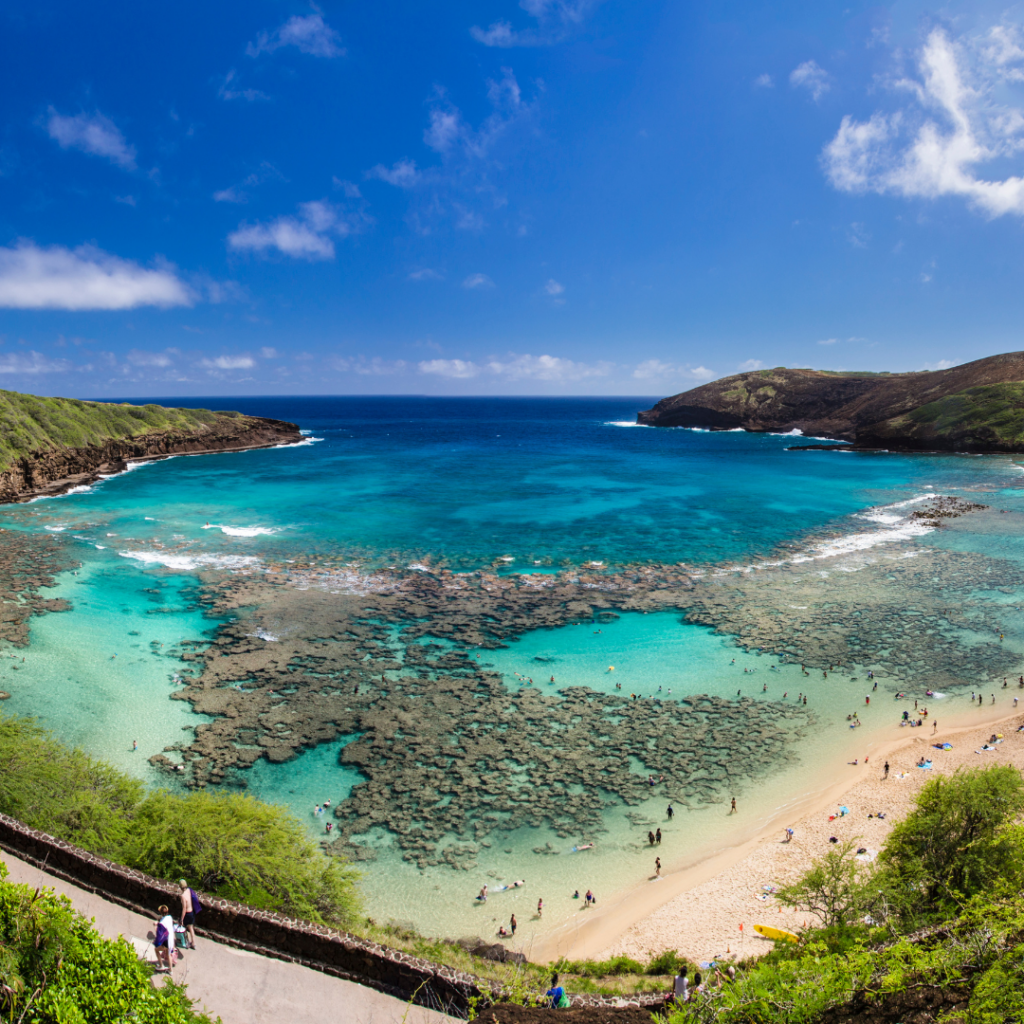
942 364
955 122
553 288
656 369
32 277
477 281
230 90
516 368
92 133
375 367
309 235
750 364
811 77
228 363
764 81
555 20
402 173
425 274
32 363
308 34
140 357
238 194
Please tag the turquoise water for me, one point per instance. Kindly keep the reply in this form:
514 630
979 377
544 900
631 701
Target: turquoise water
521 485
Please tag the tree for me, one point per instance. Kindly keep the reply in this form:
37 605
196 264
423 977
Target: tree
956 840
831 890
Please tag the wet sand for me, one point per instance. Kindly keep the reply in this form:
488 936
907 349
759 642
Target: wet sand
698 909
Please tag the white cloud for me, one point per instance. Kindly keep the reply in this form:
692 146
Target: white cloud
750 364
308 236
655 369
138 357
517 367
858 235
375 367
32 363
229 91
268 353
228 363
309 34
953 124
811 77
829 341
444 128
237 193
426 274
556 20
402 173
91 133
32 277
764 81
942 364
553 288
478 281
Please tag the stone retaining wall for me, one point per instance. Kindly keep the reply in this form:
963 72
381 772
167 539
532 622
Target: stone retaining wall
266 932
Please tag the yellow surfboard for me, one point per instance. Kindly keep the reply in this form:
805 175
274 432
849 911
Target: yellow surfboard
776 934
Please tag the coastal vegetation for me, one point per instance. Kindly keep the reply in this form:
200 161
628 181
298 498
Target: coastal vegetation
55 967
226 844
30 424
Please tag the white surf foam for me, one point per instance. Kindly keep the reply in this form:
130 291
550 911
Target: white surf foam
55 529
625 423
80 489
242 531
186 562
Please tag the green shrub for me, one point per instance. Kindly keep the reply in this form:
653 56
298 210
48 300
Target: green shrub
227 844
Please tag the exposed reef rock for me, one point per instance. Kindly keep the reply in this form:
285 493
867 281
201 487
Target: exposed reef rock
394 661
53 470
976 407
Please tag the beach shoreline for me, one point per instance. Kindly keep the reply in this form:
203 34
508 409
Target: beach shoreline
698 907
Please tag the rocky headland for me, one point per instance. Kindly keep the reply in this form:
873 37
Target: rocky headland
975 407
49 445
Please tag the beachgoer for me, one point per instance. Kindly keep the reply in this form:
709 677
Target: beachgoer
681 988
789 835
657 867
589 898
669 812
657 837
189 908
650 838
513 924
732 809
163 943
557 994
886 770
540 909
135 745
502 933
330 827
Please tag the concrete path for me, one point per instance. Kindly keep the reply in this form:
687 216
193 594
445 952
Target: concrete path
238 986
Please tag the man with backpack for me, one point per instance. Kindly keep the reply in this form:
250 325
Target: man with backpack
190 907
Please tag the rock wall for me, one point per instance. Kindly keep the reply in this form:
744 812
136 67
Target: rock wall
54 470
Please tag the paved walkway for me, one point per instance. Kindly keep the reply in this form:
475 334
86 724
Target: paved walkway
238 986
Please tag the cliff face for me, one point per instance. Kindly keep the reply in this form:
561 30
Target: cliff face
52 470
978 406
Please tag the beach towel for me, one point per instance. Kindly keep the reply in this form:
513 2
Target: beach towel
926 767
943 746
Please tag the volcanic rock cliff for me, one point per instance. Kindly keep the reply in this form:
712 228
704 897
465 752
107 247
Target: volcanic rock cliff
48 445
975 407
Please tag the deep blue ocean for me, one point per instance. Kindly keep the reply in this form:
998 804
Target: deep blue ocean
527 485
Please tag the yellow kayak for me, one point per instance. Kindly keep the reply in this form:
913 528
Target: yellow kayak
776 934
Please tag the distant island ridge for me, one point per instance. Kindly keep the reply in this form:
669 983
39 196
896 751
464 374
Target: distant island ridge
974 407
49 445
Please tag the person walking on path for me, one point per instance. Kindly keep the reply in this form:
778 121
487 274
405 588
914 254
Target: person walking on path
189 908
163 943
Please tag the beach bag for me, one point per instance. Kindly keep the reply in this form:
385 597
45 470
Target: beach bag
196 905
563 1002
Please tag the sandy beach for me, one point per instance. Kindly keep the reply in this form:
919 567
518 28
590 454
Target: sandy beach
708 910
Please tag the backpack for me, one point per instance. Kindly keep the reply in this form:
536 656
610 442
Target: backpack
196 905
161 935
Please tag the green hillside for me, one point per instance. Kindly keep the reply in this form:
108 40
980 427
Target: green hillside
31 424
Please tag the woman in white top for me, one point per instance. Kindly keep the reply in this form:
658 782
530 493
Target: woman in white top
164 942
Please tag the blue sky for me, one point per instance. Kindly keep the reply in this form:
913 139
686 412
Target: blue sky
542 197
